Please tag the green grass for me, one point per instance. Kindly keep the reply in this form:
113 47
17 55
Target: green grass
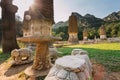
107 54
4 57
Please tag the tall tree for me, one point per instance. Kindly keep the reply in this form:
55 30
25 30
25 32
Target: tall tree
8 26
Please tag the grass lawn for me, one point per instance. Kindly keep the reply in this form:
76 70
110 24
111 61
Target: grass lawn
107 54
3 57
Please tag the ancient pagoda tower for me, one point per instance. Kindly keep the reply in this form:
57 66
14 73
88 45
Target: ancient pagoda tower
102 33
38 21
73 30
39 14
85 34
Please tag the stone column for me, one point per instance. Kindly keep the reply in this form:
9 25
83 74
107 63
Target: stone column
8 26
102 33
42 58
85 34
73 29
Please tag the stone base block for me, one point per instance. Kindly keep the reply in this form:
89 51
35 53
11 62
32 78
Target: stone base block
35 74
73 38
103 37
69 68
85 38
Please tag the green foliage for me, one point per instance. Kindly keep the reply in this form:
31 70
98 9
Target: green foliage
113 29
21 45
61 32
80 33
107 54
92 32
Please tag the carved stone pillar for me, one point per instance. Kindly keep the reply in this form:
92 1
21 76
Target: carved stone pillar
73 29
102 33
42 58
85 34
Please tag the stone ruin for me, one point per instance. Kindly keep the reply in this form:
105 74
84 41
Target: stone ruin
21 56
74 67
114 39
73 30
102 33
85 34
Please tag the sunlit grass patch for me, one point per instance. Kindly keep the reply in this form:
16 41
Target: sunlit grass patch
107 54
103 46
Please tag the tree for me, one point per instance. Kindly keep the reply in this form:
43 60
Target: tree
19 32
8 26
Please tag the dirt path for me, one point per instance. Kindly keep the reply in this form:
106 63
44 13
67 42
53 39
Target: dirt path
101 74
12 73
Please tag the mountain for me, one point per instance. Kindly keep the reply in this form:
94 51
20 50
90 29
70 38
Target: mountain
87 20
60 24
115 16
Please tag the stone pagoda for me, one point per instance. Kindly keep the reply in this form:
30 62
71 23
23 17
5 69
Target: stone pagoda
38 21
85 34
73 30
102 33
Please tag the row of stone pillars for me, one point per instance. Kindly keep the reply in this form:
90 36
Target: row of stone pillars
73 31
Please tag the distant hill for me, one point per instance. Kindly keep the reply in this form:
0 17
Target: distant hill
115 16
88 20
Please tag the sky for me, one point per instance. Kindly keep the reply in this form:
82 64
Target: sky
64 8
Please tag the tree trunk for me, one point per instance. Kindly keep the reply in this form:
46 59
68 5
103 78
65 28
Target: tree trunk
8 26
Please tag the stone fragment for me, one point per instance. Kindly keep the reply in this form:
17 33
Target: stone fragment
67 68
70 63
21 56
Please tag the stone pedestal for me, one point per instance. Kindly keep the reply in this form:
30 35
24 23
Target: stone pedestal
73 38
42 58
103 37
85 38
42 63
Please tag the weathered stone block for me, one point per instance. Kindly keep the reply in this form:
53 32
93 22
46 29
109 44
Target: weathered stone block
21 56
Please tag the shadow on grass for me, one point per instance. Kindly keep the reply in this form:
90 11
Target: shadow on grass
12 70
108 58
16 69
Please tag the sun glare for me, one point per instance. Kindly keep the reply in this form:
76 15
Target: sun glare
22 5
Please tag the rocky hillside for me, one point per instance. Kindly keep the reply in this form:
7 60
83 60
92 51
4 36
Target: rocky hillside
115 16
87 20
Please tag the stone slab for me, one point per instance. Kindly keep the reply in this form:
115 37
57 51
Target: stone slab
70 63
